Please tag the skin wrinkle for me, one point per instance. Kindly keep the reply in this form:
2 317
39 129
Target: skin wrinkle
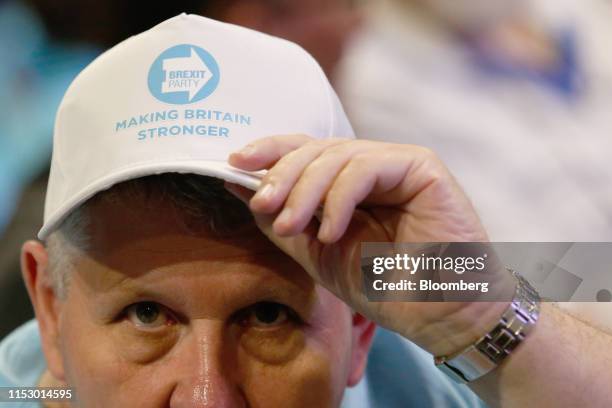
147 259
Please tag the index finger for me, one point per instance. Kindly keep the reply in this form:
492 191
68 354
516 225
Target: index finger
265 152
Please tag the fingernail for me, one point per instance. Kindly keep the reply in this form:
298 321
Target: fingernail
324 229
247 150
284 217
264 193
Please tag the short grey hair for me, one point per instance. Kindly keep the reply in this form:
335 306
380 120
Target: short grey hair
202 202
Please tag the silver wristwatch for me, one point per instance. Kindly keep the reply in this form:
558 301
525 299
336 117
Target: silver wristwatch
491 349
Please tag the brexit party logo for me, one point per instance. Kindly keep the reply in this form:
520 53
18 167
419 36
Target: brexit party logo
183 74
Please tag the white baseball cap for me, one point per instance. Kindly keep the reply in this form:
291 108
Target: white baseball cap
181 97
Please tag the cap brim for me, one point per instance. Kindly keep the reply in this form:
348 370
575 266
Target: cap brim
221 170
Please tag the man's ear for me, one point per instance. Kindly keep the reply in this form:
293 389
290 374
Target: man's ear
35 272
363 334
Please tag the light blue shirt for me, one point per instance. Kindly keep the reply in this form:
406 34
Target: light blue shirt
399 374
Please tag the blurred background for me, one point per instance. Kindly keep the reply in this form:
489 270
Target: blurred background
514 95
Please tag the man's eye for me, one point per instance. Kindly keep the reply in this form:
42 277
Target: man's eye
148 315
268 314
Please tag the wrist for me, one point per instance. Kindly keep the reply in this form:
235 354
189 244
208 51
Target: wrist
461 324
462 327
492 349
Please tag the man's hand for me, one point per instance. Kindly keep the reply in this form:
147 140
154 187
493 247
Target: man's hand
320 199
372 191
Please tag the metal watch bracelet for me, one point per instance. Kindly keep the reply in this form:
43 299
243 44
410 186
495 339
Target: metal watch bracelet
491 349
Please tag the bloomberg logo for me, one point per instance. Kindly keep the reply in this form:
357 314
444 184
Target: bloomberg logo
183 74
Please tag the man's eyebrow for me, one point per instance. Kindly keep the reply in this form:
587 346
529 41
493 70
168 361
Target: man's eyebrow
269 287
108 303
282 288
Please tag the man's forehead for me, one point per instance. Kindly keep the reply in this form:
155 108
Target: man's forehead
135 268
145 243
207 287
139 242
154 225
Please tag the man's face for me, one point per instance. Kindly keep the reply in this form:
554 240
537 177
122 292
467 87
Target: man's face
156 317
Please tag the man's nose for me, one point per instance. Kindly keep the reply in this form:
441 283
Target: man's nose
207 371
